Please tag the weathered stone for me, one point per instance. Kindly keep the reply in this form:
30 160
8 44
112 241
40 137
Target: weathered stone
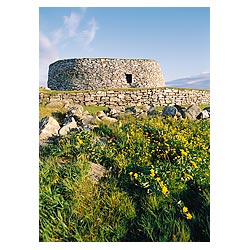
169 111
208 110
88 119
97 172
132 109
142 114
203 115
192 112
55 104
100 114
48 126
152 111
108 119
114 113
71 124
180 111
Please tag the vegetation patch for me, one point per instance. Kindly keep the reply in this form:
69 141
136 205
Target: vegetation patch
157 187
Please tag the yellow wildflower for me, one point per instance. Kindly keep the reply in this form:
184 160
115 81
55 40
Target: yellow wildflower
130 173
185 209
157 179
152 172
189 177
164 190
79 140
135 175
194 164
183 152
189 216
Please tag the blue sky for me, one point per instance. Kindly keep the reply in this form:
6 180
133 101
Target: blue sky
178 38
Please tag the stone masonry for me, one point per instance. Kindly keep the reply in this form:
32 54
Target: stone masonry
135 97
104 73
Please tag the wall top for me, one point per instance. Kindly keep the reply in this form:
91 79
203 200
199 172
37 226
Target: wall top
104 59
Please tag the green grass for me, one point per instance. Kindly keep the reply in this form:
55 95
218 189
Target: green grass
58 111
157 188
55 92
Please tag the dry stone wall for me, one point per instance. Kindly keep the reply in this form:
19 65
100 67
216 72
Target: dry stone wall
104 73
135 97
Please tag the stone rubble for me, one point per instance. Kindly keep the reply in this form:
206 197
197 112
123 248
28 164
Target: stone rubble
49 127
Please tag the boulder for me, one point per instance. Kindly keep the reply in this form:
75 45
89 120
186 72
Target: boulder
169 111
208 110
180 110
48 126
132 109
192 112
76 111
68 126
203 115
88 119
151 110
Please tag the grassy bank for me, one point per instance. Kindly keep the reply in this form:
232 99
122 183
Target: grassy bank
157 187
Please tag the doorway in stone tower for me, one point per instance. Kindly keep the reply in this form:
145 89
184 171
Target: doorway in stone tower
129 78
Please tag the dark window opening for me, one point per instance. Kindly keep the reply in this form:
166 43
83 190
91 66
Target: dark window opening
129 78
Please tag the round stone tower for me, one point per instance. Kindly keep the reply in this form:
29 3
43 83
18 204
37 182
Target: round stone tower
104 73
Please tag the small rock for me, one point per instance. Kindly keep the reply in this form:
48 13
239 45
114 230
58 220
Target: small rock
203 115
77 112
180 111
55 104
97 172
88 119
108 119
151 110
132 109
114 113
100 114
169 111
208 110
71 124
192 112
142 114
48 126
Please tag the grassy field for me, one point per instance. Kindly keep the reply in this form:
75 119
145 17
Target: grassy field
157 187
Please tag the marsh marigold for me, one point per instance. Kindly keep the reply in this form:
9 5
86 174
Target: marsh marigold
152 172
164 190
189 216
185 209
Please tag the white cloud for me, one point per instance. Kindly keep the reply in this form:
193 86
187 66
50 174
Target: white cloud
90 32
47 54
72 32
71 23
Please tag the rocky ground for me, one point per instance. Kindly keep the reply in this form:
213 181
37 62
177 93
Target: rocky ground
77 118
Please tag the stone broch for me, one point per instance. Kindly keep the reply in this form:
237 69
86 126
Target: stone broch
103 73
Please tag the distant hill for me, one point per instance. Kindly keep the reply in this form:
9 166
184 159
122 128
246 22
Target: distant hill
199 81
